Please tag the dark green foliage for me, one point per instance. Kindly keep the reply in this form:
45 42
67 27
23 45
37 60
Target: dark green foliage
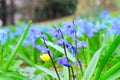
55 9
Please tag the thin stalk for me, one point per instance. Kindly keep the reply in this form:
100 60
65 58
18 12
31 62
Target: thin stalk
81 69
52 60
76 56
54 66
73 73
64 47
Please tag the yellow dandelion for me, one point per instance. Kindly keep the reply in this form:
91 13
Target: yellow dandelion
45 57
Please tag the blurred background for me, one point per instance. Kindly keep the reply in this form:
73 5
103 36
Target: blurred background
12 11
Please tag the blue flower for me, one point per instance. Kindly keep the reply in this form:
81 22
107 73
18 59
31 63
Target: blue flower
116 25
3 37
56 33
68 25
38 34
64 62
38 47
81 44
60 42
69 28
44 49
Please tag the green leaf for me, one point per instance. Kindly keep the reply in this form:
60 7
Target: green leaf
115 76
13 76
61 50
92 65
3 77
113 71
14 53
65 72
107 55
52 73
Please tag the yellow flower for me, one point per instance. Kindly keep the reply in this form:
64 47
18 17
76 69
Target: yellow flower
45 57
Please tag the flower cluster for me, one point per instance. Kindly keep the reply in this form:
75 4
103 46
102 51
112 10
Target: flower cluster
3 37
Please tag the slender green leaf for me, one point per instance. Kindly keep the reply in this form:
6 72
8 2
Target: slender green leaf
60 49
115 76
3 77
92 65
107 55
14 53
65 72
14 75
52 73
111 71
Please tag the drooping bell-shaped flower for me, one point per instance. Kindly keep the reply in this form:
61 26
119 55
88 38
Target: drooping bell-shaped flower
64 61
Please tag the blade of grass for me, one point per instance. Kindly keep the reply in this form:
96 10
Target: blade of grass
107 55
14 53
111 71
3 77
92 65
61 50
14 75
115 76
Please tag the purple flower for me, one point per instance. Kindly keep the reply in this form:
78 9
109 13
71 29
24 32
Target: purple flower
69 28
38 34
3 37
116 26
81 44
56 33
68 24
44 49
60 42
64 62
38 47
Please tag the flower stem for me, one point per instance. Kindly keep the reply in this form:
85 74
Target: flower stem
64 47
76 55
52 61
73 73
54 66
